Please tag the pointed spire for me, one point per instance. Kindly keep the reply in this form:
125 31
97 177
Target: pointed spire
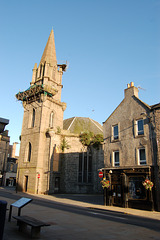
49 54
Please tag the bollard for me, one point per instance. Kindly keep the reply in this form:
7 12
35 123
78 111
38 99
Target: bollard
3 208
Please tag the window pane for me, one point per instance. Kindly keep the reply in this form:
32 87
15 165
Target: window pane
85 161
90 163
116 158
80 162
89 177
140 127
136 189
142 156
85 168
80 168
80 177
115 132
90 167
29 152
33 117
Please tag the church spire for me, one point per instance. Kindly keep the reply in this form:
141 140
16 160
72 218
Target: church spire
49 54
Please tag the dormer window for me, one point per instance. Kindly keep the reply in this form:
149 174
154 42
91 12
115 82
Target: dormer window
140 127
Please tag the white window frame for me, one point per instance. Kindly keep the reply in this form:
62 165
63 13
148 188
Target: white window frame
116 164
143 161
113 136
139 132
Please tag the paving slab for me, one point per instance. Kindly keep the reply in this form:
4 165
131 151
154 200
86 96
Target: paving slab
62 226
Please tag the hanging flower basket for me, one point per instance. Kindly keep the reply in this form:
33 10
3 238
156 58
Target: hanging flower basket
148 184
105 183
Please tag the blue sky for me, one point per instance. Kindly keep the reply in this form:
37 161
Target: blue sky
108 43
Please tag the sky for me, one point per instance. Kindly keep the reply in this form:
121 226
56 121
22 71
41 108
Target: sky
106 43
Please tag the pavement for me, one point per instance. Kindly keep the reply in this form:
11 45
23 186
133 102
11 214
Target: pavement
80 200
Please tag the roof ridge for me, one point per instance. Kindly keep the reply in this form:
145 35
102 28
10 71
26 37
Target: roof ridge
95 124
72 122
143 102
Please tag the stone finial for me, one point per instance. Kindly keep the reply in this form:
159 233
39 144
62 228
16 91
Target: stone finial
34 74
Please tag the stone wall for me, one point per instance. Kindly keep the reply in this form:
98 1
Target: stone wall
125 115
70 165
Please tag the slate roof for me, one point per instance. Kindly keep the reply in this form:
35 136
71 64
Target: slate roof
81 124
155 106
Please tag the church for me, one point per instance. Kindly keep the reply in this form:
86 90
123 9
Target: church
56 155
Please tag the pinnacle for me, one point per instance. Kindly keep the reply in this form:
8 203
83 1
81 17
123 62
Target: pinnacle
49 54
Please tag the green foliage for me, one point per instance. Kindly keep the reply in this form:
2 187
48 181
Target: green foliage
88 139
64 144
58 129
97 140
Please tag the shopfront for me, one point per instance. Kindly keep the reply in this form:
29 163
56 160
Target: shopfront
126 187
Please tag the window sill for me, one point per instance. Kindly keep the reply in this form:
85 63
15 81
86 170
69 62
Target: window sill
139 136
115 140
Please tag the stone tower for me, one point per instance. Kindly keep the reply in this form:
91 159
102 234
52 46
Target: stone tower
43 117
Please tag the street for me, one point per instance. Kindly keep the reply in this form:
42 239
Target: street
71 222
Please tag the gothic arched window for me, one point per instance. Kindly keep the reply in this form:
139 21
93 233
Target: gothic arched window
29 152
85 167
33 117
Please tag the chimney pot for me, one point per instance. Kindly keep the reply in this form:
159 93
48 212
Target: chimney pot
132 84
128 85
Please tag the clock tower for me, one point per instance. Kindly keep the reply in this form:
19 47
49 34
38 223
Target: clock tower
43 118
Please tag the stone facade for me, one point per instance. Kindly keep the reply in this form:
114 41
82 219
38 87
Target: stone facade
11 170
49 155
130 152
4 149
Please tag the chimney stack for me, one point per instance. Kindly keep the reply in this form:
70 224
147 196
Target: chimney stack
131 90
